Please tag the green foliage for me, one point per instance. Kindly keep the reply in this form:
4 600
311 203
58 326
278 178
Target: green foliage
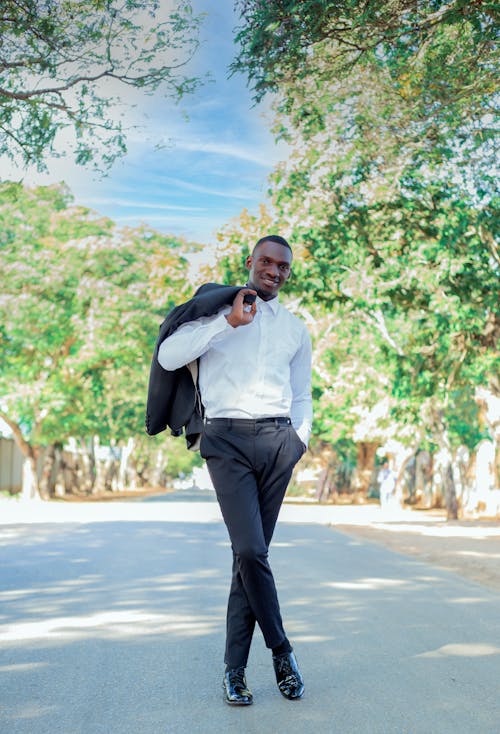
431 50
393 84
390 195
179 461
63 63
236 241
172 458
350 384
79 303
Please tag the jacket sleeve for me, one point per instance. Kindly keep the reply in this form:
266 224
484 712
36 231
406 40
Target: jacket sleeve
171 394
193 339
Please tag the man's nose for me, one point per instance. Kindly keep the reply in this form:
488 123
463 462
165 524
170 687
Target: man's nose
272 270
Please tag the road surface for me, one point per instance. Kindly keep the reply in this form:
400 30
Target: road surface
112 622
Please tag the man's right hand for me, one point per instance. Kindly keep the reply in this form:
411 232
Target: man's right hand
239 315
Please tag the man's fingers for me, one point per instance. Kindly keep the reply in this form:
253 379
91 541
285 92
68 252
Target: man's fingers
243 312
239 299
241 294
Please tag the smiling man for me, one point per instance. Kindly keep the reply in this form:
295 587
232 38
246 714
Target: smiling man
255 385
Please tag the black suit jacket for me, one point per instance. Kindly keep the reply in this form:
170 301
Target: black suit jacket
172 395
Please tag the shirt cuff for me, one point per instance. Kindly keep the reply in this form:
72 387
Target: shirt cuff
303 433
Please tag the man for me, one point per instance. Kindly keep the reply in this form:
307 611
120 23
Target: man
255 385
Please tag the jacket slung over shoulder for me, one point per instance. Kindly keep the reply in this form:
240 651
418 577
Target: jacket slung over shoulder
172 394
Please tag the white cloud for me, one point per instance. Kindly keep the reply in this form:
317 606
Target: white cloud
229 193
160 218
107 201
258 157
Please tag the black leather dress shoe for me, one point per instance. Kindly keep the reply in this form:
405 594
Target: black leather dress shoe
236 689
288 675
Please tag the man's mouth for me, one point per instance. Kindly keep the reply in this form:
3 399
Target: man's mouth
270 281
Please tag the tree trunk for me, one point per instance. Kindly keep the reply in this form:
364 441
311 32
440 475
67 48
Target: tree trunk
92 465
99 484
450 493
423 479
71 472
86 467
47 480
126 477
322 484
148 471
489 404
29 488
365 466
449 485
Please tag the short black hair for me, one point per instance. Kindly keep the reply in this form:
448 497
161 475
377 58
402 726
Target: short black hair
273 238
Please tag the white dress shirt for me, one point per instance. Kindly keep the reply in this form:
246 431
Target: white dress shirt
259 370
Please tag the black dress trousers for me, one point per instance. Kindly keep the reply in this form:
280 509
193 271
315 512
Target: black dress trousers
250 464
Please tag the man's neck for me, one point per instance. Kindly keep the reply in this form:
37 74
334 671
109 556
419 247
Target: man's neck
261 294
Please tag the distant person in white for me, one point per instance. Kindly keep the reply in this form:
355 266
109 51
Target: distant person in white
255 385
387 482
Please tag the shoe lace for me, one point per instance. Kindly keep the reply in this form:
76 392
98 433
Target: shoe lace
237 677
284 666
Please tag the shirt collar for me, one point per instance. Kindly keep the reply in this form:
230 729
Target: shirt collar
273 304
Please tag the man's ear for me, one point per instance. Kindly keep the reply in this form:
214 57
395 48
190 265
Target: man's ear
248 262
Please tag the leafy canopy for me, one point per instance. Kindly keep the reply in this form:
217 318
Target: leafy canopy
390 192
80 300
438 60
278 40
64 65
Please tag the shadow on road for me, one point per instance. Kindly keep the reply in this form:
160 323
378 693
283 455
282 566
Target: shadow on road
118 628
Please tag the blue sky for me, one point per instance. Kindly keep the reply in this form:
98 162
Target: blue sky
218 151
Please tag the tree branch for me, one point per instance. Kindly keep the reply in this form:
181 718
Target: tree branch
25 447
376 319
56 89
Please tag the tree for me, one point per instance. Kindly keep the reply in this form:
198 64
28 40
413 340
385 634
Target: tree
429 71
278 41
351 384
415 261
390 188
77 318
62 64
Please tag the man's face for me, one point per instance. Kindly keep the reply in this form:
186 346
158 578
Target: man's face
269 268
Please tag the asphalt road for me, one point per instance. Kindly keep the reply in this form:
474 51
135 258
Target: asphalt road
116 626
